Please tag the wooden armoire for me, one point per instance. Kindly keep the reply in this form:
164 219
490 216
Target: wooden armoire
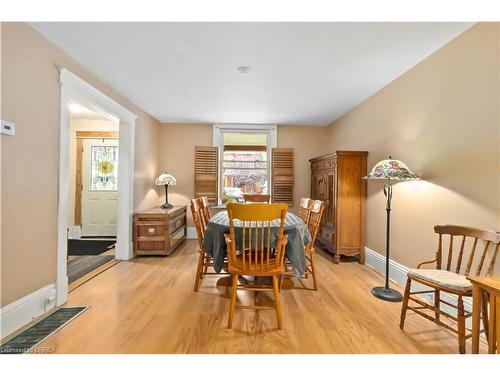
337 179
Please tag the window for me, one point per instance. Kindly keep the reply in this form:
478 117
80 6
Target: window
245 167
244 160
104 168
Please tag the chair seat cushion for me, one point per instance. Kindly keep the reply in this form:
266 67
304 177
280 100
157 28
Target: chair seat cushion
447 279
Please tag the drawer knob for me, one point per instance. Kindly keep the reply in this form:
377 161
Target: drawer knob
178 223
151 231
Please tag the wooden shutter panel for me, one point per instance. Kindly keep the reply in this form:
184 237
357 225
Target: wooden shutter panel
206 162
282 175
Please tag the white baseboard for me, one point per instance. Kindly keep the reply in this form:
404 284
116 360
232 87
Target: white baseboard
191 233
397 274
24 310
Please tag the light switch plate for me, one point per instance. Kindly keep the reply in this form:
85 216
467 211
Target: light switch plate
8 128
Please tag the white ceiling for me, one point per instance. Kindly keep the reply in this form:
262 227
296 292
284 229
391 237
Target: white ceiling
300 73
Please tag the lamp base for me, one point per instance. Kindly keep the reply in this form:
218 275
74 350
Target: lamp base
166 206
387 294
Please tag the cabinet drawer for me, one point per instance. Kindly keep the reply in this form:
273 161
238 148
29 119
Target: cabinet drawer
177 222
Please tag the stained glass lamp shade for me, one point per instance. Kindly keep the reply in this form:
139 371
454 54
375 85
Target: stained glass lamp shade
166 180
389 170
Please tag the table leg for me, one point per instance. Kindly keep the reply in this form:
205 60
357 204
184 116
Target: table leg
498 322
492 340
477 296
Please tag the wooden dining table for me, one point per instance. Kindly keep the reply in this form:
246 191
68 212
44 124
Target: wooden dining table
297 231
482 287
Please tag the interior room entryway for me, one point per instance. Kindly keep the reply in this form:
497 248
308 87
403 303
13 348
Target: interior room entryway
78 98
93 192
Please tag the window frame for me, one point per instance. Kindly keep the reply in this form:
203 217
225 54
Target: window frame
271 131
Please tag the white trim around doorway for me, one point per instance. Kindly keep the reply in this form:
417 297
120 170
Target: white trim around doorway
74 88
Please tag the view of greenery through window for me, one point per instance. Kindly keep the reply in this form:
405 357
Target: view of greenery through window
245 168
244 172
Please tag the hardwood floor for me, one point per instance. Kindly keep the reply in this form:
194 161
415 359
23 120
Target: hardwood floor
147 305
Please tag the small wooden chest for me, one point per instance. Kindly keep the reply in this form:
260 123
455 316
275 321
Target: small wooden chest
158 231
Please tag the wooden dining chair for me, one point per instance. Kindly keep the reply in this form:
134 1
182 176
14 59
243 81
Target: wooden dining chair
256 198
252 253
304 209
200 222
206 208
313 217
480 248
316 209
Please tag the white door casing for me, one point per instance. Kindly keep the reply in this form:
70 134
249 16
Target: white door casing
98 205
74 88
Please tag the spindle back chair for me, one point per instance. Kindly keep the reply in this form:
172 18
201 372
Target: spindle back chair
461 252
256 198
200 220
206 208
304 209
316 209
256 249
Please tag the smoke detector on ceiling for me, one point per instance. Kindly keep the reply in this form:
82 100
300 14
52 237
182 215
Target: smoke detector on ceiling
243 69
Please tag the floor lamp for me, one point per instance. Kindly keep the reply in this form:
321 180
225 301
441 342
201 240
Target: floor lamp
391 171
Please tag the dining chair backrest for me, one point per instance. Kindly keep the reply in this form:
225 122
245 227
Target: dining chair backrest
206 208
316 209
304 209
199 220
256 198
479 247
254 245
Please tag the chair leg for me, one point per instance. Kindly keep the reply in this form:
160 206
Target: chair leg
437 303
484 315
232 304
461 325
404 306
277 302
313 271
198 272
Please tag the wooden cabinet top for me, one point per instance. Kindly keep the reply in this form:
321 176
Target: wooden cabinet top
160 211
339 153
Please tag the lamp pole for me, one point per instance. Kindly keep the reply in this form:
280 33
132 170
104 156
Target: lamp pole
385 292
388 194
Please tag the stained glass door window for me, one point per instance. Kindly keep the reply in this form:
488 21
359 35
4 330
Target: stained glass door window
104 168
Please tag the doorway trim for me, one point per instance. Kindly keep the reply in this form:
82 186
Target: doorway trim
73 87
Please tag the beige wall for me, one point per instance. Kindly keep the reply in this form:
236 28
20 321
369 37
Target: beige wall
177 155
29 175
307 142
442 119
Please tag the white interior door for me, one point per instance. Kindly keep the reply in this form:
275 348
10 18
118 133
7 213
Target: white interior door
100 187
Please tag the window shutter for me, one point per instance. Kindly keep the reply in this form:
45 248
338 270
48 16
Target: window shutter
206 162
282 175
